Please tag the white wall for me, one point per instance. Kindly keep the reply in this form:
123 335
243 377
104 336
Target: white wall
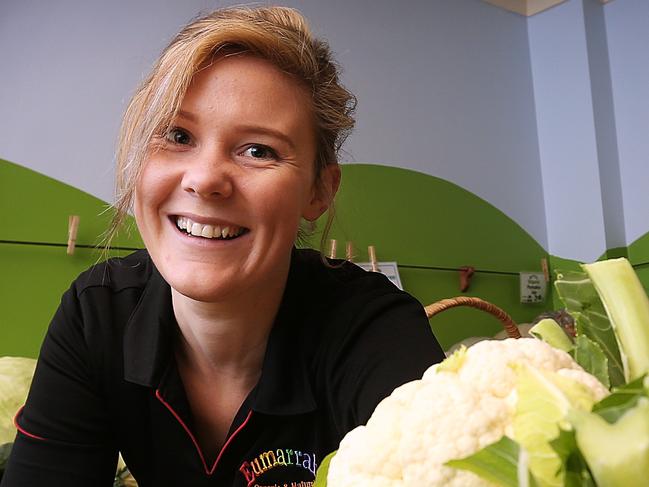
566 131
444 87
627 26
545 117
590 65
605 127
68 68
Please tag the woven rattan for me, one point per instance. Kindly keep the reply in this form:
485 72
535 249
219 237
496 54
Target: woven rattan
506 320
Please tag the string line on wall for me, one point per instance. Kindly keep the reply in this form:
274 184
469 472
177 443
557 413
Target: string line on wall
55 244
485 271
455 269
404 266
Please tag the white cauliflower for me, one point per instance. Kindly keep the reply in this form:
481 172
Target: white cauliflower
456 409
15 377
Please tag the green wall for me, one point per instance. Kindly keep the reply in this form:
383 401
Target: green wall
35 208
426 222
422 222
639 256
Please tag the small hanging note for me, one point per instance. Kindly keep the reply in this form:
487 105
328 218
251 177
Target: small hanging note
533 287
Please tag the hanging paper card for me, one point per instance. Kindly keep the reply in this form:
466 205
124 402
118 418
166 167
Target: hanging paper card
533 287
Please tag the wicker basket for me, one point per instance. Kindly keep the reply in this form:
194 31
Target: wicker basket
506 320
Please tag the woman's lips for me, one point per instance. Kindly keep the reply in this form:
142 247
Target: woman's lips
210 231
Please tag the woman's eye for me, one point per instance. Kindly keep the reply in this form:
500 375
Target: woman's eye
178 136
260 152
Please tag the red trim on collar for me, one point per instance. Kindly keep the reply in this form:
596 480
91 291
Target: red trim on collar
20 428
245 421
193 438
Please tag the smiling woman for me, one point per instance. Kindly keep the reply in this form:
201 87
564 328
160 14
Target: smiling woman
221 354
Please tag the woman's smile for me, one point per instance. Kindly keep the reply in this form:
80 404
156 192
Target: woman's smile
195 230
223 231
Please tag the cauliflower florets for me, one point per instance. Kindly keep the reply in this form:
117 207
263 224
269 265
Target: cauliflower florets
452 412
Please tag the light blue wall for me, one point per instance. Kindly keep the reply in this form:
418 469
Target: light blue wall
605 128
444 87
544 117
590 65
68 68
566 132
627 26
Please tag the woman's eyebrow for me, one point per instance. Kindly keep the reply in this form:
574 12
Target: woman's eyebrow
258 129
188 115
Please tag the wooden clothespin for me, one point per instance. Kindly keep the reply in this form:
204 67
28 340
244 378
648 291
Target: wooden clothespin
73 226
372 253
349 251
332 248
465 277
546 269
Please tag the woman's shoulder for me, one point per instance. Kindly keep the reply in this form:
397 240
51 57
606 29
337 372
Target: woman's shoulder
341 295
116 274
339 279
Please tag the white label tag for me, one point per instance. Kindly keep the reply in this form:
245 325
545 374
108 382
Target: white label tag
533 287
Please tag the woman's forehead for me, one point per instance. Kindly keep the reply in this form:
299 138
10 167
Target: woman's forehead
247 76
251 90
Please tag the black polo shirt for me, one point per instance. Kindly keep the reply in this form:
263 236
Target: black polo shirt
107 380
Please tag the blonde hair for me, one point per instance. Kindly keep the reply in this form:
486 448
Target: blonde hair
279 35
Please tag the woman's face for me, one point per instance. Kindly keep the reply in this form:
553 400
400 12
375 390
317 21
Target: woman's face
220 198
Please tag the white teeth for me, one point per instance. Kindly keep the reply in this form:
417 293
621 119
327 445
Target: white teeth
206 231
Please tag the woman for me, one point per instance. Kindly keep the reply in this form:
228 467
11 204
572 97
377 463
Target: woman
221 355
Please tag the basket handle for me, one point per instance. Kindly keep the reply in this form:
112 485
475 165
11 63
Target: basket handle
506 320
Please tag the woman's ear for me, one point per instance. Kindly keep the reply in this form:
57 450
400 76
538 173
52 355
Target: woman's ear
324 191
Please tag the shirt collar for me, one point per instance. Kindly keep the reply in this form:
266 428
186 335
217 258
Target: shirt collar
149 333
284 387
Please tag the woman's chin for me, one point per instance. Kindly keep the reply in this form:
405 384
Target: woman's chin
204 293
204 289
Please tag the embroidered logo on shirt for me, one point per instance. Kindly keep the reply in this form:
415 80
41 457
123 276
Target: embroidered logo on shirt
275 458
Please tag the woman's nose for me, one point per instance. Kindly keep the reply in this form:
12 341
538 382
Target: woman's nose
209 175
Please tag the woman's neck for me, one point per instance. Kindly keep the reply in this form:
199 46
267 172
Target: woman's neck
227 338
